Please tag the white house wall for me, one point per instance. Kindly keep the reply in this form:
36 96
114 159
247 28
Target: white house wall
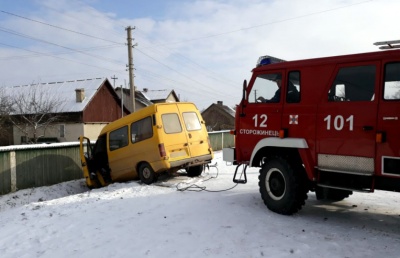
71 132
92 131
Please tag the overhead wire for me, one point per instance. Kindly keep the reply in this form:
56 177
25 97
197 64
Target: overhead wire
210 74
61 28
54 56
60 53
263 24
212 91
156 45
55 44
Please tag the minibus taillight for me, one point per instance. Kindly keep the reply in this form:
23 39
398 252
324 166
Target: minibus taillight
161 149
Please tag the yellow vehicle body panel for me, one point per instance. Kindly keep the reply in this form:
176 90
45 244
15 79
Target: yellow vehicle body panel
166 136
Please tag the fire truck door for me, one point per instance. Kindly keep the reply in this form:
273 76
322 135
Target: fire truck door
388 140
262 114
346 121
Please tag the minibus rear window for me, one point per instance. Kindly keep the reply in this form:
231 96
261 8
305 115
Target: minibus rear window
171 123
192 122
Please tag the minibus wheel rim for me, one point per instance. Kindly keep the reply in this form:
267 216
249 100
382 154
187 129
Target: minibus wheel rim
146 172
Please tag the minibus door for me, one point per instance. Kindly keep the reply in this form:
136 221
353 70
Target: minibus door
174 137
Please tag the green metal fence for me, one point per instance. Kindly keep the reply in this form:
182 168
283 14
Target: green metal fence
221 139
38 165
5 173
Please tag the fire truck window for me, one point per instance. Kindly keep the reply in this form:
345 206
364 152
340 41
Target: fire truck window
353 84
141 130
392 81
293 87
118 138
266 89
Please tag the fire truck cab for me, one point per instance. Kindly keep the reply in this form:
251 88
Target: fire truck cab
329 125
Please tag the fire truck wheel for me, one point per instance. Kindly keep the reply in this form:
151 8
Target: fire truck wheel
194 171
146 174
282 189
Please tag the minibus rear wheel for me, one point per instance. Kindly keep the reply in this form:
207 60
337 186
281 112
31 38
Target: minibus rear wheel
194 171
146 174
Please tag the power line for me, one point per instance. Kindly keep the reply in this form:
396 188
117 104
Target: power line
61 28
262 25
210 74
187 77
58 45
51 55
46 54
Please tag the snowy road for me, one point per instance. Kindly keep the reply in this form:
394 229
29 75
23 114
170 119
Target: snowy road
135 220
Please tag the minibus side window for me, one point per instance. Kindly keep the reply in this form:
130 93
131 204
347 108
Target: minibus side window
118 138
141 130
192 122
392 82
171 123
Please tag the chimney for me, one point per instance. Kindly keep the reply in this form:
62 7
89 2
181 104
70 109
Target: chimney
219 103
145 89
80 95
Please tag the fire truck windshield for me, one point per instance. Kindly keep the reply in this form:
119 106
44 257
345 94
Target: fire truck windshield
266 88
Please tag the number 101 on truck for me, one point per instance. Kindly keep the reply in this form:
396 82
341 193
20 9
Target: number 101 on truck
329 125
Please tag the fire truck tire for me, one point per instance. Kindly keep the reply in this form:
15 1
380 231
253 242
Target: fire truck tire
282 189
194 171
146 174
332 195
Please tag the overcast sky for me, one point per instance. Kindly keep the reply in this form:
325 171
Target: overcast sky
201 49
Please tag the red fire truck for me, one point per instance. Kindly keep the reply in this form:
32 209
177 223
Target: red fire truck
329 125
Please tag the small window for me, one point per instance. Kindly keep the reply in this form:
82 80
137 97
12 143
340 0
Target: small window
62 131
141 130
391 89
353 84
171 123
293 87
192 122
118 138
266 89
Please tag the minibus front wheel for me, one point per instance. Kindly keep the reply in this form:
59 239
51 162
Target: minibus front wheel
146 174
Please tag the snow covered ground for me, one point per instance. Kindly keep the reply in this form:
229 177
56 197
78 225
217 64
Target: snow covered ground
135 220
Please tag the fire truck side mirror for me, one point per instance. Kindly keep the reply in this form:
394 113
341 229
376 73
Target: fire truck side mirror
243 98
244 89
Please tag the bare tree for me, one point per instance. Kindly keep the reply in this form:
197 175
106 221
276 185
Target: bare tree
5 110
34 111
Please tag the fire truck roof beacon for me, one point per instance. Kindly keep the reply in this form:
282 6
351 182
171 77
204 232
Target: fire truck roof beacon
266 60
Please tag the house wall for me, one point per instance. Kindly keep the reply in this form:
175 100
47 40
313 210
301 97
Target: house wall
171 98
217 120
92 131
72 131
104 107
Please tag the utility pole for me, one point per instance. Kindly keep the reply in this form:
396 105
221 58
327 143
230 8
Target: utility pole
130 67
114 78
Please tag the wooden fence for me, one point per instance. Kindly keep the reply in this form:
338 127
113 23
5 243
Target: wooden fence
27 166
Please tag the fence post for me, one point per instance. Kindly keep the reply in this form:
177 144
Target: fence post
13 169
